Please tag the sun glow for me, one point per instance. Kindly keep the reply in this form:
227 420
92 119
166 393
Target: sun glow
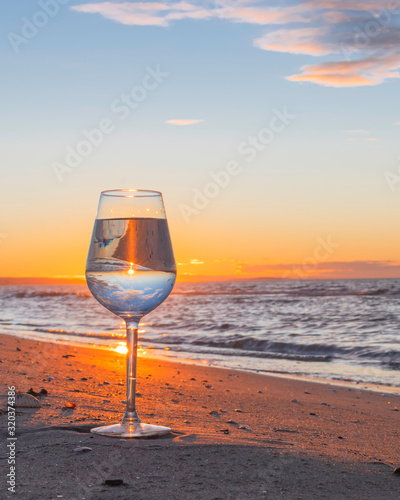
131 272
122 349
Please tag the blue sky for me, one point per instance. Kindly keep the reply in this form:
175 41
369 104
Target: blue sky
228 65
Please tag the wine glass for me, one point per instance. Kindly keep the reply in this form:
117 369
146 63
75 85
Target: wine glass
131 270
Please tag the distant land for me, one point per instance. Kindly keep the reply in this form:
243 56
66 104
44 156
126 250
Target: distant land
79 280
42 281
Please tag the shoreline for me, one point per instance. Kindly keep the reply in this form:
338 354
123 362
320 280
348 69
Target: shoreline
301 439
155 353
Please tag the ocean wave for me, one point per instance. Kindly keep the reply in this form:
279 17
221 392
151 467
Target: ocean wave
279 291
25 294
268 348
59 332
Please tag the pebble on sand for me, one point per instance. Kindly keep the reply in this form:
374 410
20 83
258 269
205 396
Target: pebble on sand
114 482
83 449
42 392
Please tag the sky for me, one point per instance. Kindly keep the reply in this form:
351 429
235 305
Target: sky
271 128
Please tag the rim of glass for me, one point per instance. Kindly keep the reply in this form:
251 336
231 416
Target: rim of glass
131 193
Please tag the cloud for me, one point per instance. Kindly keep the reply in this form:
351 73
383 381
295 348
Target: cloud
145 13
363 36
263 15
363 72
295 41
183 122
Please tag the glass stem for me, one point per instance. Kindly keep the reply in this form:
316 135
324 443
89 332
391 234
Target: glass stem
131 417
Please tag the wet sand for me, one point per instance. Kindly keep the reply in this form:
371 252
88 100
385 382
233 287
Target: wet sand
303 440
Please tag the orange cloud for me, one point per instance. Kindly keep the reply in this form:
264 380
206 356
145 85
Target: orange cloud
183 122
369 71
295 41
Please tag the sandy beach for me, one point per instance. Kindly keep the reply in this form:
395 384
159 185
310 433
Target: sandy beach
303 440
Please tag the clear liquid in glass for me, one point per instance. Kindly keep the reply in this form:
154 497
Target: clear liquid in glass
130 268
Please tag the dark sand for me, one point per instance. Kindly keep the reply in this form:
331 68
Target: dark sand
295 448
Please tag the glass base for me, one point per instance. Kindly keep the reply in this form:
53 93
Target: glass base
136 430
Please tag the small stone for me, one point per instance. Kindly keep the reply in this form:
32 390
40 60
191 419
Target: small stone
233 422
84 379
18 349
213 413
397 471
225 431
33 393
50 379
192 378
83 449
340 437
238 411
208 386
324 404
114 482
294 401
313 414
222 411
186 422
260 392
245 427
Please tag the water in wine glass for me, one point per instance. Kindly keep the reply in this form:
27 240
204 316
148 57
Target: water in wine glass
130 268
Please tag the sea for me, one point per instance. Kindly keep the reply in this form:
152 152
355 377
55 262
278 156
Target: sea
337 330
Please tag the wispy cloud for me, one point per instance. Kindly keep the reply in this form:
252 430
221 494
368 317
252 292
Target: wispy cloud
295 41
183 122
145 13
363 35
363 72
359 134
